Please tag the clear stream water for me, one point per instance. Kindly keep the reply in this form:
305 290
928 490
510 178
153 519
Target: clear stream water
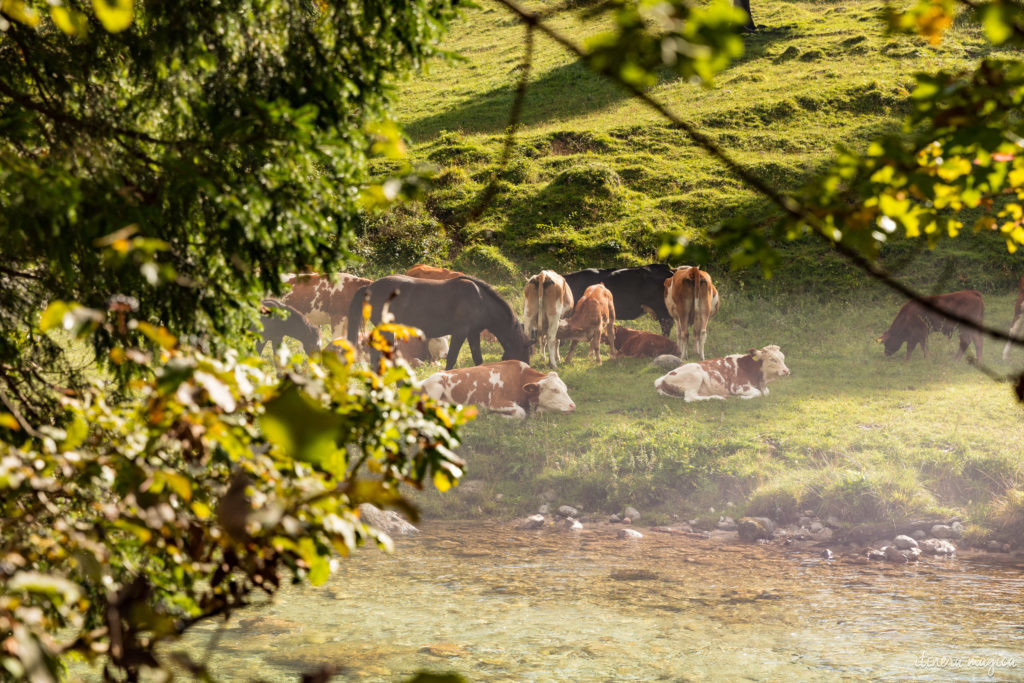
498 604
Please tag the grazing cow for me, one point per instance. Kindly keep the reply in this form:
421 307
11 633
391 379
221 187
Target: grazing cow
640 344
636 290
745 375
461 307
425 272
511 388
914 322
324 300
294 325
692 300
1017 326
593 316
547 300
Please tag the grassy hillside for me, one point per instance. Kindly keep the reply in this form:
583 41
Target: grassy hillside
597 178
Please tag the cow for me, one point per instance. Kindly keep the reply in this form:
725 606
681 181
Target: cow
914 323
592 318
745 375
425 272
640 344
322 299
461 307
417 351
511 388
692 300
293 325
546 300
635 290
1017 326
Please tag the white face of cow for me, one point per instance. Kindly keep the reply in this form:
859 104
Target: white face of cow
553 395
773 362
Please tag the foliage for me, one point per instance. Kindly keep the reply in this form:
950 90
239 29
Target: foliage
215 482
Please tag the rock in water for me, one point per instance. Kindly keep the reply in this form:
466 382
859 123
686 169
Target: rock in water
567 511
532 522
937 546
630 534
753 528
388 521
943 531
572 524
904 542
667 361
632 513
826 554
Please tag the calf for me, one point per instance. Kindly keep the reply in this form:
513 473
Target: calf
511 388
294 325
745 375
546 300
322 299
1017 326
640 344
593 316
417 351
425 272
692 300
914 323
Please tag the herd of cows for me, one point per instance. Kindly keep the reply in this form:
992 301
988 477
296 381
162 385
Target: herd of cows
453 309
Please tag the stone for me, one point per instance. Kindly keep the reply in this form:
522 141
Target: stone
937 546
824 534
544 509
816 527
727 524
754 528
532 522
388 521
627 520
572 524
893 554
614 519
942 531
832 521
874 555
567 511
805 521
667 361
994 546
548 496
826 554
904 542
919 534
711 511
630 534
632 513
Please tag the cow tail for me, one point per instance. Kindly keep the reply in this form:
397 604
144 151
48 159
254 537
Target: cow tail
693 283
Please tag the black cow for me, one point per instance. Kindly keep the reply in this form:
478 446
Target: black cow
636 290
462 307
294 325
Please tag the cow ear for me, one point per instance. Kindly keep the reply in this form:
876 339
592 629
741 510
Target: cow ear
531 388
755 354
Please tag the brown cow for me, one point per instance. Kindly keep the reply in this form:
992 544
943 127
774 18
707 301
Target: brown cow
425 272
510 387
546 300
744 375
640 344
417 351
593 317
692 300
914 322
1017 326
324 300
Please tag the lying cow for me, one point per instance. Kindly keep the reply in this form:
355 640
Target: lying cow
546 300
914 323
294 325
425 272
511 388
745 375
640 344
417 351
592 318
1017 326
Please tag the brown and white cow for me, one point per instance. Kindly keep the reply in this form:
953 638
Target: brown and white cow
417 351
745 375
914 323
691 300
425 272
591 319
324 299
511 388
546 300
640 344
1017 326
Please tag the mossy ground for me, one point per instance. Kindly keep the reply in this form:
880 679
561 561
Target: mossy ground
596 179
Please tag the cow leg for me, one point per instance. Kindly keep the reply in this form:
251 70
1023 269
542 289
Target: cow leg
683 337
1015 330
453 351
703 336
572 347
474 348
666 325
552 340
979 339
595 343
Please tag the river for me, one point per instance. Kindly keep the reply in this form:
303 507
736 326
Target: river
498 604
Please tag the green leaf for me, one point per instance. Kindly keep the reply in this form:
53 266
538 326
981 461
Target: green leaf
302 429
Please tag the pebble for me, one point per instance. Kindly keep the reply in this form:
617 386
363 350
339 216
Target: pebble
630 534
667 361
903 542
632 513
567 511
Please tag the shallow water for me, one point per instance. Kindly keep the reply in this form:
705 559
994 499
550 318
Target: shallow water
498 604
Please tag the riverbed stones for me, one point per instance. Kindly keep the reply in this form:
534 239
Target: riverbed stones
955 530
388 521
874 554
904 542
615 519
630 534
816 527
937 546
822 534
898 556
532 522
572 524
667 361
632 513
753 528
567 511
919 535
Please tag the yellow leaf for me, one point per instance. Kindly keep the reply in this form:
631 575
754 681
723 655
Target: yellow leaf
441 481
19 11
53 315
7 420
201 510
115 15
158 335
69 21
179 483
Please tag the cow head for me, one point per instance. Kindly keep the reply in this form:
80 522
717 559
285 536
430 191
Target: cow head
551 394
519 346
892 340
773 362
